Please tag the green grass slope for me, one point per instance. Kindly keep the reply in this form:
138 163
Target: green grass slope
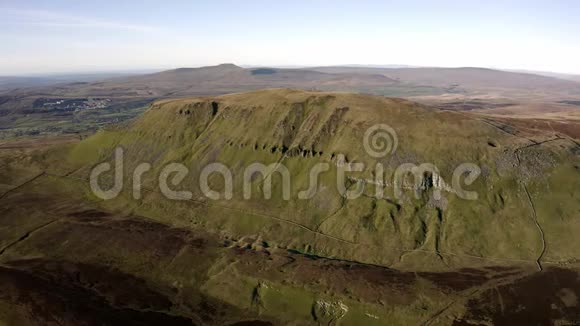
526 212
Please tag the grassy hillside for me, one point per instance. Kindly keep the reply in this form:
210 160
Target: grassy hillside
68 257
300 129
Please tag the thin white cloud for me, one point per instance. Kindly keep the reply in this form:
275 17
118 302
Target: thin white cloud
41 18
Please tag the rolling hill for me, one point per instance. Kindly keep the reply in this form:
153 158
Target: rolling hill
426 255
300 129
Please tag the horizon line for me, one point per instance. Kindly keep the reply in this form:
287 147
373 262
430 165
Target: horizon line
146 70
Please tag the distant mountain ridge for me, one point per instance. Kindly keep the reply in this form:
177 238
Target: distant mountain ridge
565 76
228 78
465 76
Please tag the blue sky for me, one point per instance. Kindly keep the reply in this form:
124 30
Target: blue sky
73 36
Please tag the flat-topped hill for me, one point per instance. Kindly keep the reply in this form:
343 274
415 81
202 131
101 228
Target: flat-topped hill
299 129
